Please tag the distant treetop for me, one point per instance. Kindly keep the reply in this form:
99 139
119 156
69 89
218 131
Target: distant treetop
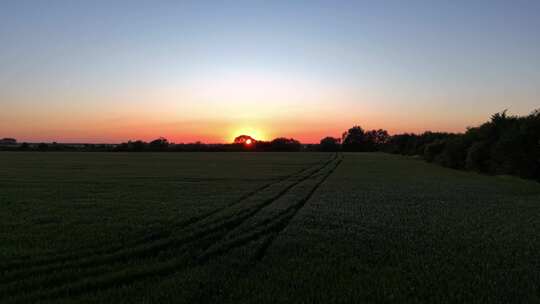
8 141
244 139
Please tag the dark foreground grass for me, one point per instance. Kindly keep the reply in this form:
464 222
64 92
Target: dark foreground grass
262 228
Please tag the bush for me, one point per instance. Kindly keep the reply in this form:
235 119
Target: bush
478 157
454 153
432 150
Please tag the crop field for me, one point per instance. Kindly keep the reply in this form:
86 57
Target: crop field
262 228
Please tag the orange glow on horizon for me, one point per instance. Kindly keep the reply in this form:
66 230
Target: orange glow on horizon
308 125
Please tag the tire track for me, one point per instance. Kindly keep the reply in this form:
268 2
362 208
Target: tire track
268 242
28 262
271 226
260 241
154 238
128 275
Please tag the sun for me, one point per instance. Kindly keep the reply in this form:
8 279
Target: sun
248 142
254 133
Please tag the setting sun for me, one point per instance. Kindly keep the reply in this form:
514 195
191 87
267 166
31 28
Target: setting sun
254 133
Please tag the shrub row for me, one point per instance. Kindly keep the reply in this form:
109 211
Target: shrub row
504 145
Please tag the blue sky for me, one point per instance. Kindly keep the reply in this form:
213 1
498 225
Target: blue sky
114 70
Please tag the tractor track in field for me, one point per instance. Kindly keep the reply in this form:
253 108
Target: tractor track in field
29 268
268 227
262 250
125 254
27 262
83 280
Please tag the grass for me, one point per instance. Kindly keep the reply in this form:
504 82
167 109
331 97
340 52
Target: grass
262 228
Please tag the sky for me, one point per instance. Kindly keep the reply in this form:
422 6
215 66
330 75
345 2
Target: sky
111 71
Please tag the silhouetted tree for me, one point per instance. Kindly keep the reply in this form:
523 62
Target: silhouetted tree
375 139
136 146
159 144
8 141
243 139
354 139
413 144
329 144
285 144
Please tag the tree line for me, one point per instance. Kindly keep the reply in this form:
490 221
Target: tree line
240 144
506 144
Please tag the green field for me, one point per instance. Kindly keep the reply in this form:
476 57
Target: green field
262 228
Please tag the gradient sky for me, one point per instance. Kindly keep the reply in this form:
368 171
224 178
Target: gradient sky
109 71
